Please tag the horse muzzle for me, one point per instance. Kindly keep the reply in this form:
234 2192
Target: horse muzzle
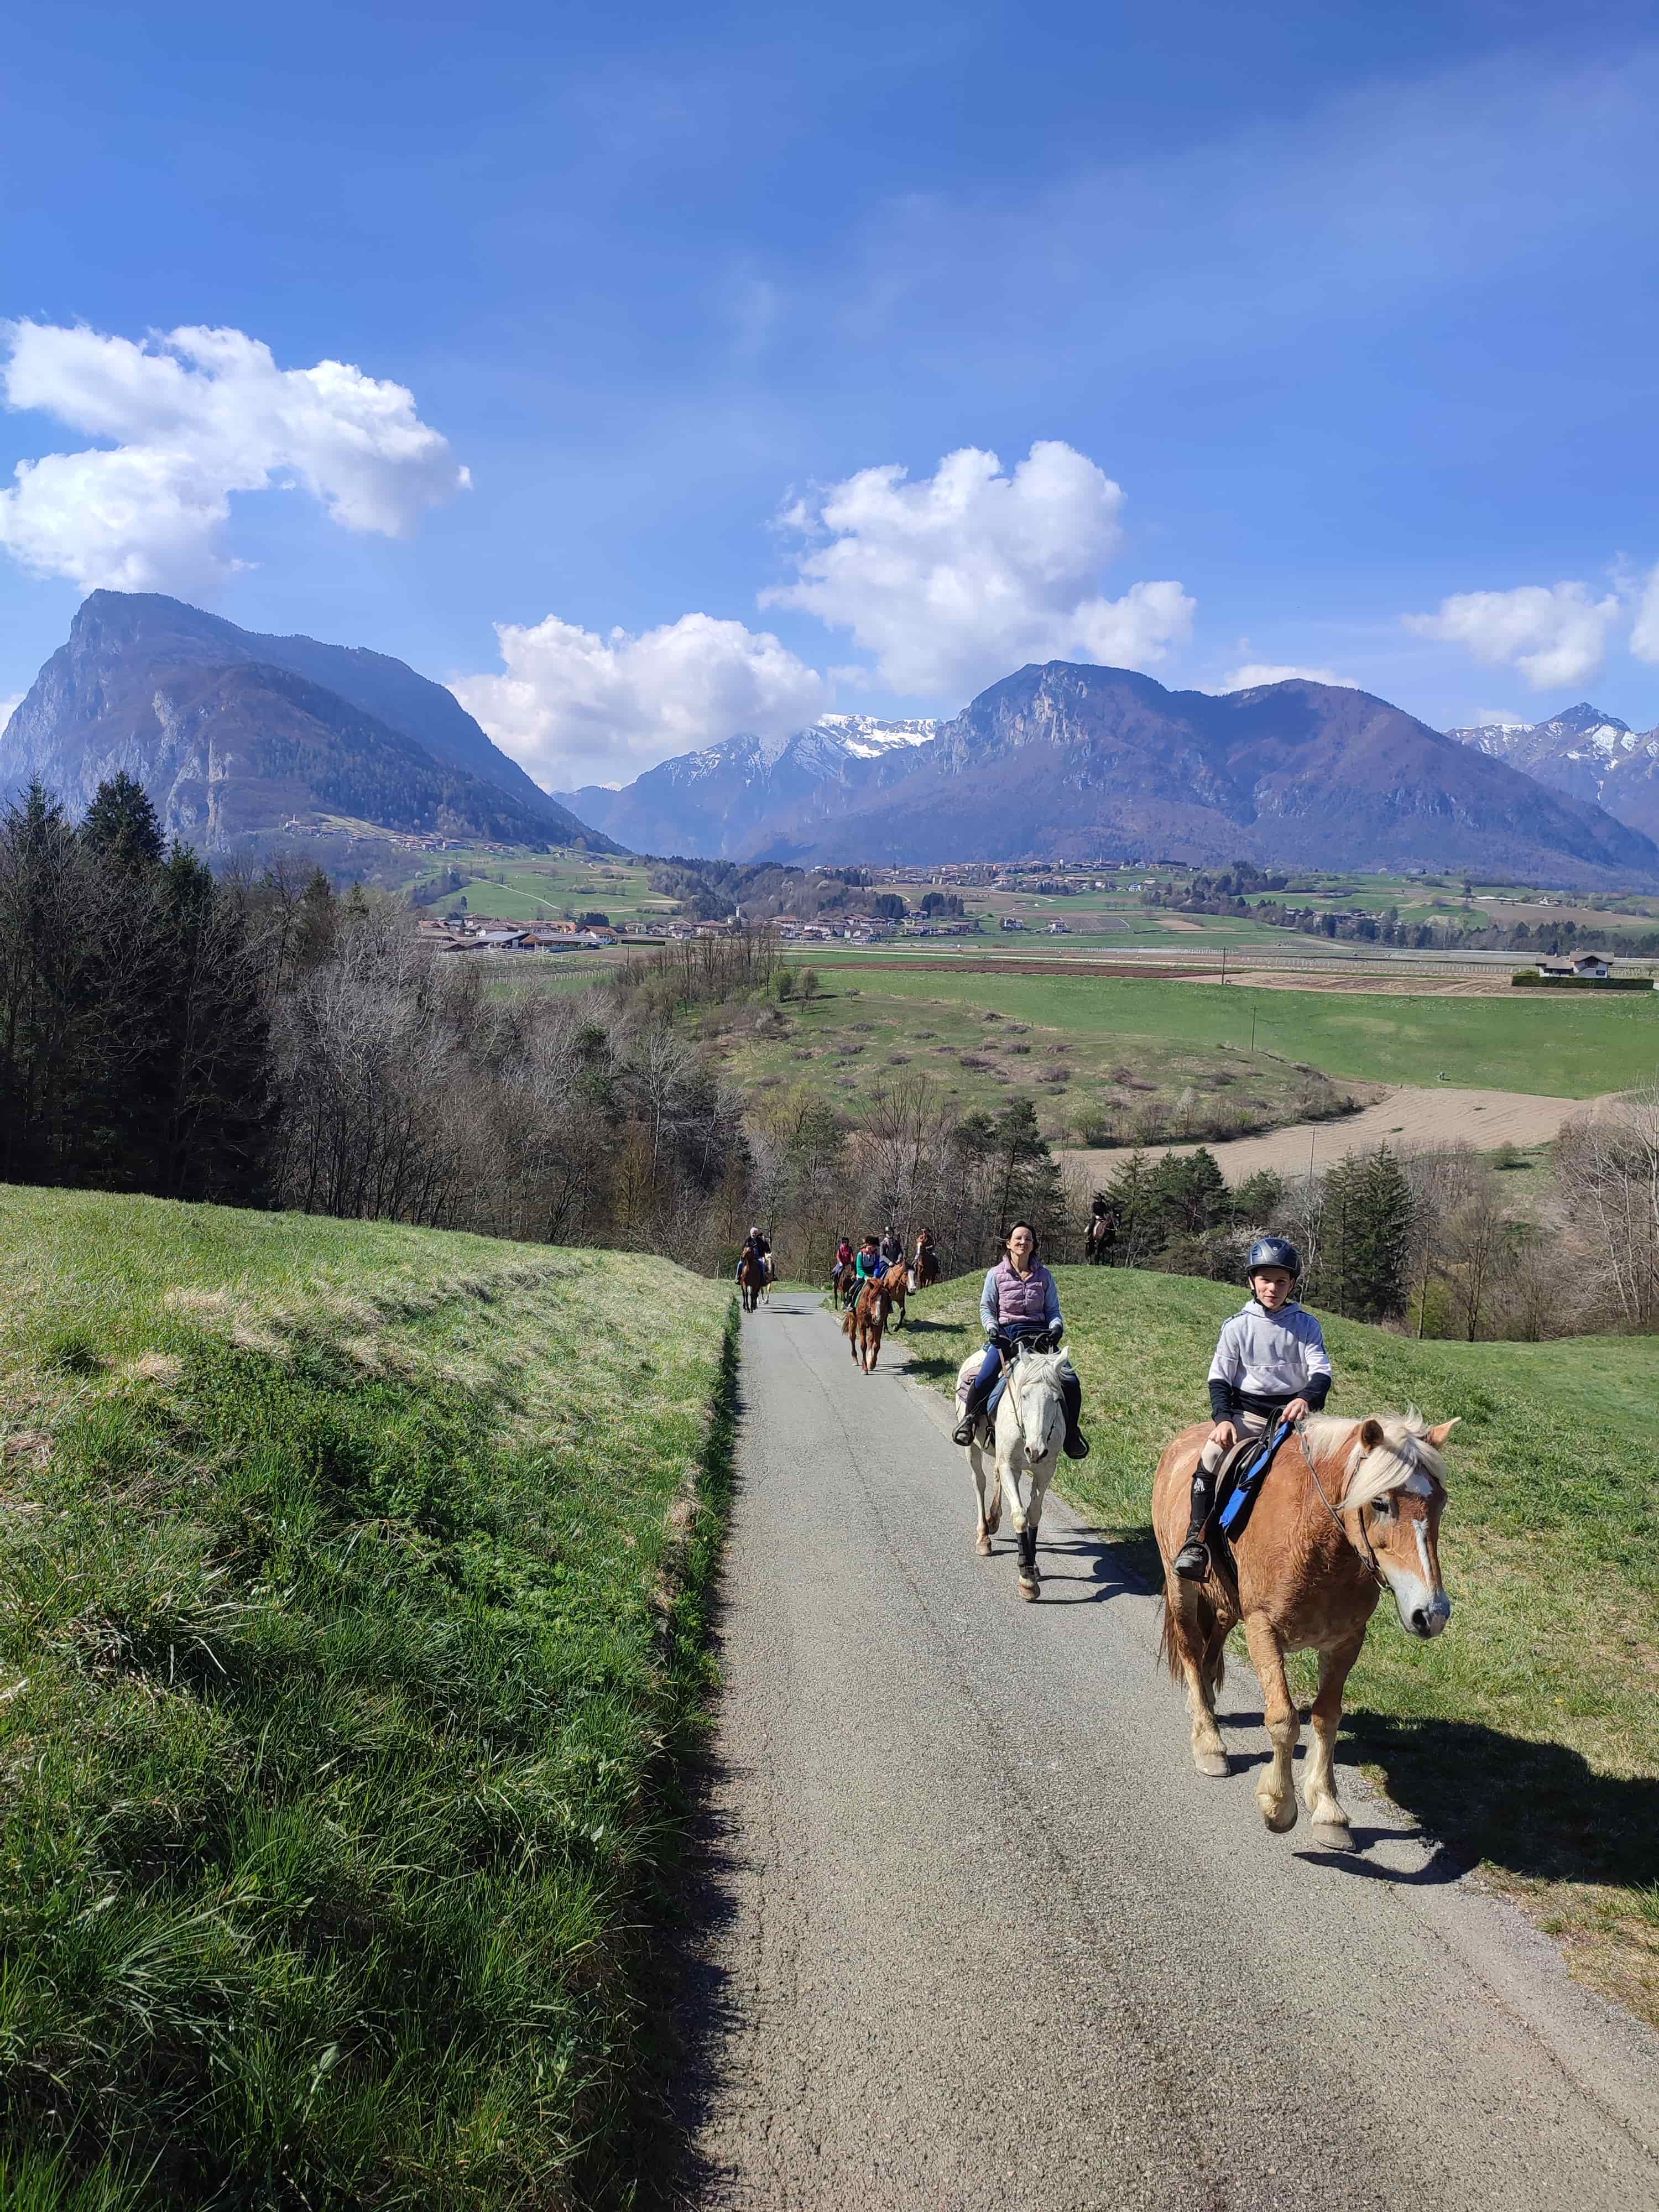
1423 1613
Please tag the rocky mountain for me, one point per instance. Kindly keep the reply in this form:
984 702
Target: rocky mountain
1077 763
232 733
714 804
1586 753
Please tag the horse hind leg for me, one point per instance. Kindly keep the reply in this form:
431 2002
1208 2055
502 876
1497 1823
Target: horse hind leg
986 1523
1275 1793
1325 1809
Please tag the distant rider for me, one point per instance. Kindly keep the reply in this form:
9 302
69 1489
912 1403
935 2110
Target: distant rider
839 1272
892 1246
762 1252
1018 1301
1270 1365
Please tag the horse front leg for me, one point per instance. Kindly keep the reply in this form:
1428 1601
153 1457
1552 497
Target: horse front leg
1275 1793
1325 1807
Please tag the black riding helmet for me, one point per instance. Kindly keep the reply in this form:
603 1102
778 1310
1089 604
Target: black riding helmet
1275 1252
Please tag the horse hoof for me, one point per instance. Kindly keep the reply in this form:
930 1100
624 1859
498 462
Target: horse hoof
1281 1819
1029 1588
983 1547
1212 1764
1332 1835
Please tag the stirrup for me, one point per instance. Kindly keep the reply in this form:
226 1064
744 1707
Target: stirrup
1192 1561
965 1429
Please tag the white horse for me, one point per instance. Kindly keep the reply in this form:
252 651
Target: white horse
1031 1428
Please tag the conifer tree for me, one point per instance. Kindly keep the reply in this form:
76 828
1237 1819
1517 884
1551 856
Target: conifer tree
120 826
1367 1218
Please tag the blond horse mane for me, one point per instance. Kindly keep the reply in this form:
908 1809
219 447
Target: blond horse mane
1404 1454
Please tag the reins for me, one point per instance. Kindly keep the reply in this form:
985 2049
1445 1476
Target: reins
1363 1548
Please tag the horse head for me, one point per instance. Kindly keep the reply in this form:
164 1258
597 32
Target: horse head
1038 1404
1394 1495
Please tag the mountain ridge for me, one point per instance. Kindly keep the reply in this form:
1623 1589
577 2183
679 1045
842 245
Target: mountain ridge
1584 752
229 739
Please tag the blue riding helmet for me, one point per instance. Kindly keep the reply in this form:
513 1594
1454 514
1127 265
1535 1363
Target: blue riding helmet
1275 1252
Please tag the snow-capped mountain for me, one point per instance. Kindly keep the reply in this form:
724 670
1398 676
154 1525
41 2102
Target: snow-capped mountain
1586 753
719 803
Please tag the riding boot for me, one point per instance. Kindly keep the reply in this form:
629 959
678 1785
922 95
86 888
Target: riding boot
1192 1561
979 1395
1071 1391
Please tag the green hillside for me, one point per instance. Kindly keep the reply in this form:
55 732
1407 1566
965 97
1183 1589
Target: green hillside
352 1584
1528 1737
1561 1050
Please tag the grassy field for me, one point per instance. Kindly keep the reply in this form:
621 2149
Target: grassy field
1118 1086
550 886
351 1614
1528 1738
1568 1050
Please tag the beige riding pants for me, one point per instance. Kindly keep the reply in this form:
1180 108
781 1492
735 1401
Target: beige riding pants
1248 1424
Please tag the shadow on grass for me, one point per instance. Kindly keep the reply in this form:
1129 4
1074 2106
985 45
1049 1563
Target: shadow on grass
1538 1810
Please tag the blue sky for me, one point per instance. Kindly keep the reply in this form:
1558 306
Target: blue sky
1317 318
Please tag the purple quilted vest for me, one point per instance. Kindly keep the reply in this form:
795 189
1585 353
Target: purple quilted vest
1021 1301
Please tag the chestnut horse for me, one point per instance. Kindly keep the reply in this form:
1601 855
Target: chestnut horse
897 1280
751 1279
924 1268
1347 1509
865 1320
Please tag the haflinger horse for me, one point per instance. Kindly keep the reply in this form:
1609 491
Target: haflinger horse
751 1279
1347 1509
1031 1428
865 1320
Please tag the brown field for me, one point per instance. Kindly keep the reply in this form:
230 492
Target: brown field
1407 1116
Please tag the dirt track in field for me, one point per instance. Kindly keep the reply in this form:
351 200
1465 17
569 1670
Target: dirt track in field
1411 1116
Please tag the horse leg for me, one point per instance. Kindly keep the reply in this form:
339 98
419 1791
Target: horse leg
982 1534
1275 1793
1319 1776
1031 1581
1190 1627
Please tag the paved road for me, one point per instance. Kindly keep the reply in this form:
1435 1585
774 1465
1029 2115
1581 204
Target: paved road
982 1938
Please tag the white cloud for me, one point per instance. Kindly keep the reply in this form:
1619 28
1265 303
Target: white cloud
1554 634
194 415
960 579
1644 634
1254 672
573 706
8 708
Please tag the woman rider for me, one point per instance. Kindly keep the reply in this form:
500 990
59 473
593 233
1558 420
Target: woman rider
1019 1300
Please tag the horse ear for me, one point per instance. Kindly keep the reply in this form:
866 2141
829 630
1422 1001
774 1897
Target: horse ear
1371 1435
1436 1437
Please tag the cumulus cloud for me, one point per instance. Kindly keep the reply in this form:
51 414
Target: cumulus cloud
1254 672
1554 634
957 579
1644 633
191 416
572 707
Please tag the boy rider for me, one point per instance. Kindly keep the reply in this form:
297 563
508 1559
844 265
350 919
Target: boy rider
1270 1366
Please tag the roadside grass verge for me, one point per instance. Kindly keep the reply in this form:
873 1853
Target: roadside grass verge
1575 1048
352 1590
1526 1738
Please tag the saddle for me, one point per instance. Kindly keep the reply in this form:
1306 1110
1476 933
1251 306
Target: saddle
1238 1483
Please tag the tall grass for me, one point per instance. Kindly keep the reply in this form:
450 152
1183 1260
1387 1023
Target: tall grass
346 1629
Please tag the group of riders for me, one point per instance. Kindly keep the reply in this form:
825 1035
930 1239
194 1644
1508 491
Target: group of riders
1270 1368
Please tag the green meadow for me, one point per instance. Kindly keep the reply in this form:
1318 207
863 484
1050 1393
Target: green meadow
1577 1050
352 1581
1527 1738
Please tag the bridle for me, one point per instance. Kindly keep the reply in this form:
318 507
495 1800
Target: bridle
1362 1546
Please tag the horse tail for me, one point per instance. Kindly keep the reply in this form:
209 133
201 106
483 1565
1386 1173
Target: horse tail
1169 1650
849 1318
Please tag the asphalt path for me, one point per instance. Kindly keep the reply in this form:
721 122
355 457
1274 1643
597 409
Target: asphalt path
977 1936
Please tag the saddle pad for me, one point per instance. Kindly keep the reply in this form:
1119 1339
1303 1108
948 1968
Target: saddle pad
1240 1476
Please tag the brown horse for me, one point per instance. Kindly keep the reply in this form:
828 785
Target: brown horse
1347 1509
898 1281
751 1279
866 1319
924 1268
